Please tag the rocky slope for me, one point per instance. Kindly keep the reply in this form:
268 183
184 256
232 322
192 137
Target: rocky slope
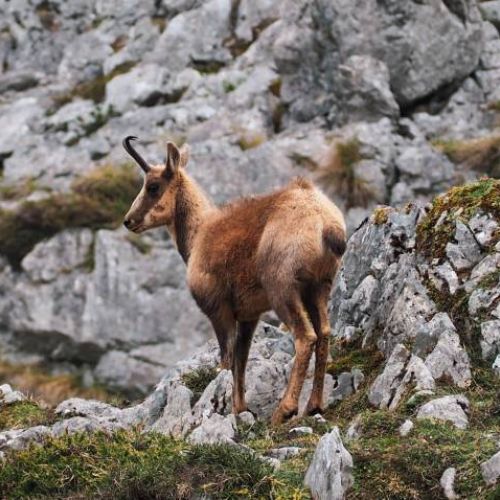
412 387
384 102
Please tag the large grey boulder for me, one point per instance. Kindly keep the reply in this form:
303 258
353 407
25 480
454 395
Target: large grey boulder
452 409
214 429
99 300
401 369
143 85
491 469
320 36
196 37
329 476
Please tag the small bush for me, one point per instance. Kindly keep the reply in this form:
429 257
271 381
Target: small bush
97 200
338 174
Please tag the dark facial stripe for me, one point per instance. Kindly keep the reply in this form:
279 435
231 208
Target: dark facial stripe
148 202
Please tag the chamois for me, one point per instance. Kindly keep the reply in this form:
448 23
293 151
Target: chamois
278 251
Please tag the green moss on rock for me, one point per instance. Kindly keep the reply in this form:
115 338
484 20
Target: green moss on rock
24 414
459 203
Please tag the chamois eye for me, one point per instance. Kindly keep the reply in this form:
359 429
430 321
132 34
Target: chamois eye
153 189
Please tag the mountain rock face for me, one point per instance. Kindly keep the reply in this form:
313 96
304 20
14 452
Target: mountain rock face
417 331
371 97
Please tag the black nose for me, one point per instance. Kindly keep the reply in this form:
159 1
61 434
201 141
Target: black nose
127 223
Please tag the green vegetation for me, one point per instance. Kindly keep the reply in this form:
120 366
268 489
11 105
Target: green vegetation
347 357
388 466
197 380
24 414
381 215
133 465
100 199
228 86
94 89
459 203
338 174
481 155
251 139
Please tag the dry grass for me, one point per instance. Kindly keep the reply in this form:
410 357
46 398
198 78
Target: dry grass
100 199
45 388
481 155
338 176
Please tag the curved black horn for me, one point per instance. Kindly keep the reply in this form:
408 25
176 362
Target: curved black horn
134 154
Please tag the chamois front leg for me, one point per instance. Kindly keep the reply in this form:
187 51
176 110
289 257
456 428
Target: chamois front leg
241 349
224 325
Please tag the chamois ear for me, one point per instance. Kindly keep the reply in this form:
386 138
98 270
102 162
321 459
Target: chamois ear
173 160
184 155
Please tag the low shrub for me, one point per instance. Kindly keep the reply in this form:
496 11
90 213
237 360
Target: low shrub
99 199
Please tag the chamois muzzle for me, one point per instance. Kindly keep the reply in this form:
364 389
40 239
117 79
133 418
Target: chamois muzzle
134 154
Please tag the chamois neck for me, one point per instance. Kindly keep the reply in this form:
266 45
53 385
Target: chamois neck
191 206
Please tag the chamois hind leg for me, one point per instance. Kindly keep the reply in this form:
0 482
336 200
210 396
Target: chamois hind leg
293 313
316 304
224 325
241 349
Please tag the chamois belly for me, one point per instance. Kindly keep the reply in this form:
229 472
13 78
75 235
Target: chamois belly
249 303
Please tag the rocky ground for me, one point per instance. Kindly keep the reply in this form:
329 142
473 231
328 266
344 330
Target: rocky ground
412 389
381 102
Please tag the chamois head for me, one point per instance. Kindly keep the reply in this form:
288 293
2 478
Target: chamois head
155 203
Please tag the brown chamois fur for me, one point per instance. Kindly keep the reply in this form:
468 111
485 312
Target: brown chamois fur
279 251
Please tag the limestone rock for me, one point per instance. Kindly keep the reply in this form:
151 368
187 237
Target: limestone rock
213 429
8 396
405 428
447 483
448 408
491 469
330 473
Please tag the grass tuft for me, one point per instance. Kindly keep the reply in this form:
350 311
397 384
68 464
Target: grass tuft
16 191
24 414
100 199
251 139
481 155
381 215
197 380
338 176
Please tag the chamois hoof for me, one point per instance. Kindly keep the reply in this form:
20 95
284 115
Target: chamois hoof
313 410
281 415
